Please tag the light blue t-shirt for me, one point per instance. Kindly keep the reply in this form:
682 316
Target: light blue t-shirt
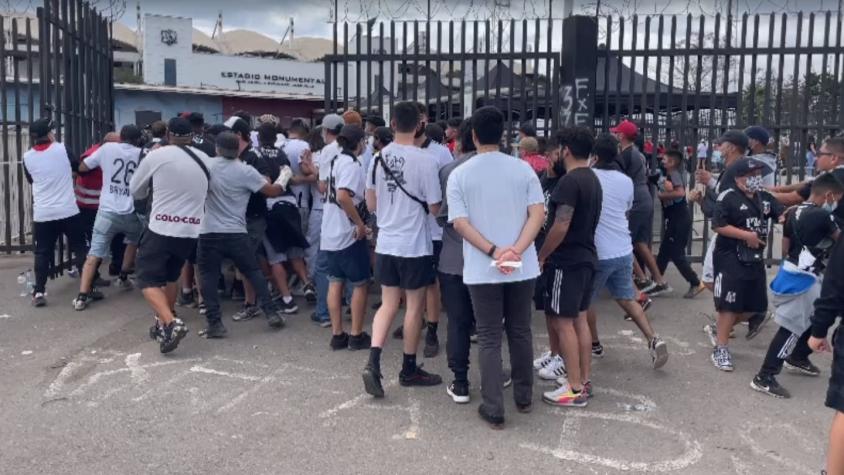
494 191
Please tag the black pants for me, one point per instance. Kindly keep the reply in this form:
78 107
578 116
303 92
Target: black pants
785 346
508 306
458 307
678 225
212 249
46 234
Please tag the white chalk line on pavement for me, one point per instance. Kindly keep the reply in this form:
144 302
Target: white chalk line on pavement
691 455
756 447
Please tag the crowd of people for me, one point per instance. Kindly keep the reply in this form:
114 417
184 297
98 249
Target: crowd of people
440 214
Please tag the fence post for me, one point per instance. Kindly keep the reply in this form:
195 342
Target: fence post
578 67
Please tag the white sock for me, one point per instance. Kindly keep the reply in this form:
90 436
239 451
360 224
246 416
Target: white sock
288 299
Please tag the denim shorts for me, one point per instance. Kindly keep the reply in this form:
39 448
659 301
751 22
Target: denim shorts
616 275
349 265
274 257
107 225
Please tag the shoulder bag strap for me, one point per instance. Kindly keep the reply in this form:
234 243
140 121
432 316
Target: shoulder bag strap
389 174
197 160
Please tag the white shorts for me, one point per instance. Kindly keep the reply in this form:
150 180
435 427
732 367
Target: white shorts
708 275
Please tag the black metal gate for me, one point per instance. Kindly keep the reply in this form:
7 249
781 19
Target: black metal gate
56 64
683 79
452 67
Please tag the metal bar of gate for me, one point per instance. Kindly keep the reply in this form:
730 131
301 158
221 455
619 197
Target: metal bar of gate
415 71
537 47
740 122
838 65
439 92
618 67
510 87
633 61
825 108
714 79
380 96
404 61
7 203
523 106
474 67
789 162
497 67
804 119
462 93
16 80
669 107
725 120
357 68
753 65
551 72
769 62
451 77
605 117
30 118
780 78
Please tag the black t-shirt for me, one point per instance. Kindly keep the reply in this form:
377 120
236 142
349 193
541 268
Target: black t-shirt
276 159
581 190
257 206
548 184
205 145
734 208
807 226
838 214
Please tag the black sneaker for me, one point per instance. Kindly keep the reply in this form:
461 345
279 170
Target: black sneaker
432 345
172 334
276 319
756 324
360 342
155 333
81 302
524 408
96 295
398 333
287 307
495 422
372 382
802 367
459 392
597 350
186 299
215 330
659 289
100 282
770 386
420 377
340 342
644 285
310 292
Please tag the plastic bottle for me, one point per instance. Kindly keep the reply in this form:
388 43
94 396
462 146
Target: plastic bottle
22 283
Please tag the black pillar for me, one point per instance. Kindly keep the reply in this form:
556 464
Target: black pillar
579 63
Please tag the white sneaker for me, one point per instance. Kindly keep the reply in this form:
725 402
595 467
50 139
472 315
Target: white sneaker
542 361
712 333
554 369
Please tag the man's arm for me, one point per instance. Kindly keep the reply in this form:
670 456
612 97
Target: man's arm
790 198
139 186
831 301
371 200
536 216
557 234
344 199
470 234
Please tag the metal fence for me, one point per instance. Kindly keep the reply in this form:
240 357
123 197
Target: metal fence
683 79
57 64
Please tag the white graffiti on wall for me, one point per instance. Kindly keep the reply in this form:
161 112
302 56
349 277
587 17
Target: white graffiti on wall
575 106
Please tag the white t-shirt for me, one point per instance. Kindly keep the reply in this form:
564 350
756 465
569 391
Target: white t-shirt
702 150
494 191
294 148
118 162
442 156
322 160
52 183
178 193
612 236
403 229
338 231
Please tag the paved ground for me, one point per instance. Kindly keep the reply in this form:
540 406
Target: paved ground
89 393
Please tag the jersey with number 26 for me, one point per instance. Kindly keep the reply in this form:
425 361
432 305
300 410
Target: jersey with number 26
118 162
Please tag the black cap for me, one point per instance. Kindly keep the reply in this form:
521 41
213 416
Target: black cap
179 127
196 119
758 133
352 134
735 137
267 133
746 165
216 129
41 127
227 144
240 127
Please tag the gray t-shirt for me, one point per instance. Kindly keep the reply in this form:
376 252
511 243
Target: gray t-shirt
494 191
232 183
451 256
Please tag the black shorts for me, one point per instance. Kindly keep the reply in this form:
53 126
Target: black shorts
160 259
407 273
739 288
438 249
835 393
641 224
350 265
192 257
256 228
567 291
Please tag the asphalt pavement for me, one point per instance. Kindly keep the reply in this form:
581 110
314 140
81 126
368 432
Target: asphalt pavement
88 392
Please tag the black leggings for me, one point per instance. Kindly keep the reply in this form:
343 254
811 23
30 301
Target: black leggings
678 226
46 234
785 346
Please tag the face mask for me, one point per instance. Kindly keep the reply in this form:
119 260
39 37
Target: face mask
754 184
830 207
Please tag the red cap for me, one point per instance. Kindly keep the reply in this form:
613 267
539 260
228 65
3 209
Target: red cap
628 128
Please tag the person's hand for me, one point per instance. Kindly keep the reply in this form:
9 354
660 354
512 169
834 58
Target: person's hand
753 240
360 232
695 196
506 255
819 345
703 176
668 186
